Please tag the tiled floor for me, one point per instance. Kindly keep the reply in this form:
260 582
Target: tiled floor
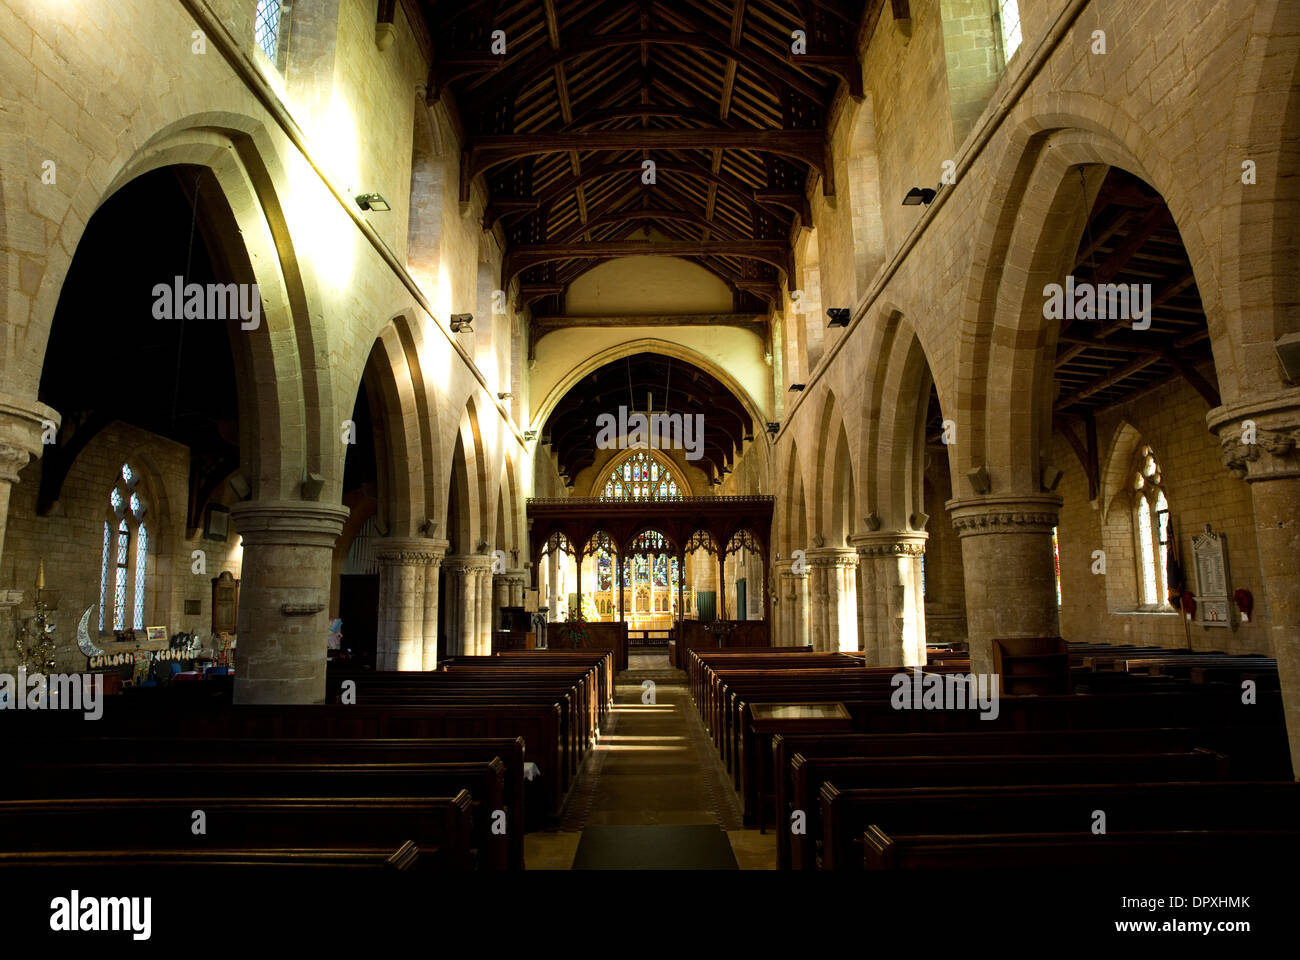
653 765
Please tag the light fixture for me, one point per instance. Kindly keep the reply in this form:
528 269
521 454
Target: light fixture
717 481
774 427
504 396
374 202
749 437
918 195
530 434
461 321
839 316
797 386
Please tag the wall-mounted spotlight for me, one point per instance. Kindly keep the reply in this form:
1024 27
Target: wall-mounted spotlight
749 438
774 427
717 481
504 396
839 316
797 386
918 195
530 434
461 321
374 202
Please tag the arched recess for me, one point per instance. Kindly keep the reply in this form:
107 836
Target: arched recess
806 302
1029 239
284 371
1261 226
428 186
864 182
794 531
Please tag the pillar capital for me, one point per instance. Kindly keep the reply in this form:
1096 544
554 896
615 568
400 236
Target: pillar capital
1260 440
468 562
1002 515
410 550
898 544
292 523
22 423
832 557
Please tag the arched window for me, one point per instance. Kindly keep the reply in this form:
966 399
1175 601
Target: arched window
124 567
642 476
268 28
1151 523
1009 22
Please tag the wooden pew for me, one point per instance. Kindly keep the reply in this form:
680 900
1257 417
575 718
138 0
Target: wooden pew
510 752
1268 758
1059 808
808 775
1200 849
438 827
406 857
35 781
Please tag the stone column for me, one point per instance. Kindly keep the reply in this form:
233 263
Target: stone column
783 606
22 423
487 609
284 594
1271 465
429 637
834 621
1006 549
462 593
891 609
516 581
404 567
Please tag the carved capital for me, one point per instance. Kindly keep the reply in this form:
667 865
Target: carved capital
1259 440
12 459
985 515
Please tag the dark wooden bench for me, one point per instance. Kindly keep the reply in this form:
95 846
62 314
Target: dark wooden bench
438 826
808 775
1058 808
406 857
1201 849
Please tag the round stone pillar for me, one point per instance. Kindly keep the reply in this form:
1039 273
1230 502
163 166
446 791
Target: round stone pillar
404 565
1006 549
486 609
429 631
284 590
891 607
832 580
1261 445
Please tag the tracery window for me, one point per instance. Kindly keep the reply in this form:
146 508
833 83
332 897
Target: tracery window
1009 22
642 476
1151 523
124 564
269 22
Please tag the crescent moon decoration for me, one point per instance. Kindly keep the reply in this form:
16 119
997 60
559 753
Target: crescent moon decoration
83 636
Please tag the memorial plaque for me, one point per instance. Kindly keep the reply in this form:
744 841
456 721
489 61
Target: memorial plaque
1211 552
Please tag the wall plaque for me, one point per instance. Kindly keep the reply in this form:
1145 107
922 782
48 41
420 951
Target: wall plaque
1214 594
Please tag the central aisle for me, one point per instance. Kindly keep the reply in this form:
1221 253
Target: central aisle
654 794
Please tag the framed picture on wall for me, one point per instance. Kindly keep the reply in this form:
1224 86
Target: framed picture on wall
216 522
156 634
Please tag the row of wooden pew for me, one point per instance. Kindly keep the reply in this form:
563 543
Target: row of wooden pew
902 788
411 772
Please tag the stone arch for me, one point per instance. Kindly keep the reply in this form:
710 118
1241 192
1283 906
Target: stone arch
1027 239
283 354
428 187
650 345
1119 457
794 530
392 391
835 488
469 466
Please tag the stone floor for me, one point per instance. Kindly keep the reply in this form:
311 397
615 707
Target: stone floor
653 766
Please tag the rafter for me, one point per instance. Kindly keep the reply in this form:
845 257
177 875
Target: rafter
521 257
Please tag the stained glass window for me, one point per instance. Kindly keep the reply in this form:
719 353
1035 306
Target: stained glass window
122 597
661 571
641 477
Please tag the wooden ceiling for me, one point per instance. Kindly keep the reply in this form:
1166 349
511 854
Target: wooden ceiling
562 124
1131 238
672 385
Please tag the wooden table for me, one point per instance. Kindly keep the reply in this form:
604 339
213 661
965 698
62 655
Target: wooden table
769 719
